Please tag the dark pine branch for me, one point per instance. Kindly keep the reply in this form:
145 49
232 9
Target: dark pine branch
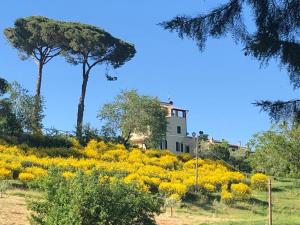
276 36
216 23
281 110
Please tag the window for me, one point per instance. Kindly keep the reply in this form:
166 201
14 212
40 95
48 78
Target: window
187 149
181 147
163 144
178 129
177 147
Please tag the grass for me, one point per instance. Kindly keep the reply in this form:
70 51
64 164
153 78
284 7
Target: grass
286 208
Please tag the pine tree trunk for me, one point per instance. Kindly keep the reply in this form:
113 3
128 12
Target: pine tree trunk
39 80
36 126
85 76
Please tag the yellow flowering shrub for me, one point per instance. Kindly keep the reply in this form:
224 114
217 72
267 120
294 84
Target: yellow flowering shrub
5 174
12 150
259 181
209 187
151 182
75 143
114 155
136 180
168 162
10 165
153 153
227 197
36 171
169 188
176 197
26 177
94 149
185 157
150 170
68 174
136 155
240 191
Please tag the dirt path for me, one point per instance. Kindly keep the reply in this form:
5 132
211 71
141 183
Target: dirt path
13 210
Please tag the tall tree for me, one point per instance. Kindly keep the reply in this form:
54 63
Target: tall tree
277 151
131 113
39 38
217 151
89 46
276 36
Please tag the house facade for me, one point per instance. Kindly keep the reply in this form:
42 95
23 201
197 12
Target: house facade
177 139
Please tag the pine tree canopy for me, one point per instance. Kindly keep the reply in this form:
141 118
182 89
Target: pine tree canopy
36 36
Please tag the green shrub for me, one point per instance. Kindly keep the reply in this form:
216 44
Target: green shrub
47 141
83 200
57 152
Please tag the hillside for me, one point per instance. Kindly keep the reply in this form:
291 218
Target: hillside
224 196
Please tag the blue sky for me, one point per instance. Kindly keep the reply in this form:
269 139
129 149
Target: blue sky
217 86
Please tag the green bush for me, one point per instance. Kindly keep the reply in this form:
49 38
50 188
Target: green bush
30 140
47 141
83 200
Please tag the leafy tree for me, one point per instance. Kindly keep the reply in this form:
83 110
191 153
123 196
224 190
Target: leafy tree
133 113
83 200
89 46
9 124
239 159
219 151
22 105
277 151
276 37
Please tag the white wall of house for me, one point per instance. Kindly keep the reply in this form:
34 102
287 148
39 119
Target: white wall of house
177 140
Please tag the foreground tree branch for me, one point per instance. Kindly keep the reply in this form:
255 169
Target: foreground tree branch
276 37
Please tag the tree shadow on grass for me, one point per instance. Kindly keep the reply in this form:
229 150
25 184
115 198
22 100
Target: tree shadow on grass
275 189
255 201
239 207
204 205
201 201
